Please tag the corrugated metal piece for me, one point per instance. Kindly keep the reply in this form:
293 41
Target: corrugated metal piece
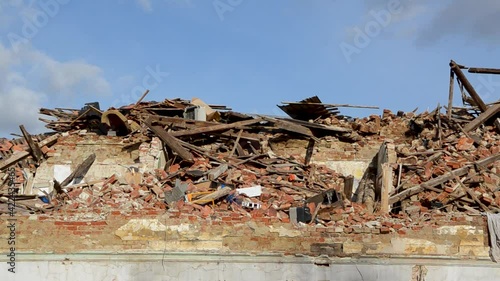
308 111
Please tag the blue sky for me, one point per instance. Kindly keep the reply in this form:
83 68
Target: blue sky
249 55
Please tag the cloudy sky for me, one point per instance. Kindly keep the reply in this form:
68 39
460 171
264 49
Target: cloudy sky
249 55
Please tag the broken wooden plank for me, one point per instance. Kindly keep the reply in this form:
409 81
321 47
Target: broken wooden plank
442 179
216 172
80 171
483 117
482 70
214 128
236 143
35 149
316 211
170 141
470 192
224 191
141 98
4 199
291 127
332 105
177 122
16 157
316 126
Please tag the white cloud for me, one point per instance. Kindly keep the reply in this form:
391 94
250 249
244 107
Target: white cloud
30 79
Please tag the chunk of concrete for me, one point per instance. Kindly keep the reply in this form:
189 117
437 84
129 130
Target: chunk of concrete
253 191
177 193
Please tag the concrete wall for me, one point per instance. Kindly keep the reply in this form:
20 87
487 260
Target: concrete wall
151 267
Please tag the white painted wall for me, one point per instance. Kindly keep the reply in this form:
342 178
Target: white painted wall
157 266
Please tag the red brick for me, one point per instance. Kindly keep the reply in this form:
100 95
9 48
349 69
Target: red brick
81 233
387 223
285 220
17 148
397 226
265 220
70 223
320 229
45 149
385 230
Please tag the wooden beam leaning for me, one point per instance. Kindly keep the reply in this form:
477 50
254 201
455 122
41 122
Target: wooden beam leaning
80 171
472 92
36 152
468 86
236 143
141 98
483 117
170 141
16 157
442 179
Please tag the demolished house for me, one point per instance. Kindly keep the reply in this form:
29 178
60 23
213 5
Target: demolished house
338 184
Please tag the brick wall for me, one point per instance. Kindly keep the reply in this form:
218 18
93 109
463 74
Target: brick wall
105 230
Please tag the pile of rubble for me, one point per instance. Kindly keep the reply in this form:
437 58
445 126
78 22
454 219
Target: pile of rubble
219 160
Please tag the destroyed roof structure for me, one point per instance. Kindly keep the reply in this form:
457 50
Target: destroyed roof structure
314 174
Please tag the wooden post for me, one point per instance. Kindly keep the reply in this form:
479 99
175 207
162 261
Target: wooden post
439 133
386 188
450 95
